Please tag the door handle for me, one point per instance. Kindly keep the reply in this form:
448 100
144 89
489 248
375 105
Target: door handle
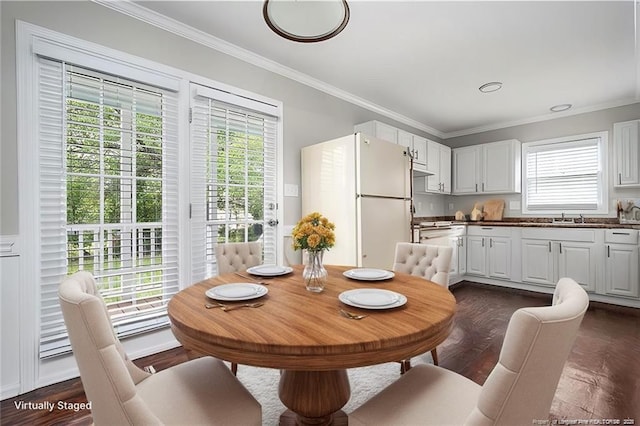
272 222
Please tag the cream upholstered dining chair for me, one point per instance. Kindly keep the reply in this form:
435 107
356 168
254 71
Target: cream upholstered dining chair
429 262
519 389
238 257
201 391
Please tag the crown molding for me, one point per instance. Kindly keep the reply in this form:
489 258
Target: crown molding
545 117
173 26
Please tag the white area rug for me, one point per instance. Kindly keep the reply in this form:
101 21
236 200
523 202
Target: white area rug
365 382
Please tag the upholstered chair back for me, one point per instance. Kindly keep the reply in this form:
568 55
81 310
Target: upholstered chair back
427 261
108 376
237 257
536 345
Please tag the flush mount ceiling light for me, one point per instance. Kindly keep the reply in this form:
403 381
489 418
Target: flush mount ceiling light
561 107
306 21
490 87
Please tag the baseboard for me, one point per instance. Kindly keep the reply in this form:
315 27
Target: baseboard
10 391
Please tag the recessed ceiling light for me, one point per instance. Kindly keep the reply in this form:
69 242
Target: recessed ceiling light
490 87
561 107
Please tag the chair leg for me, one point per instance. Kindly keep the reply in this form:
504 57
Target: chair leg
234 368
434 355
405 366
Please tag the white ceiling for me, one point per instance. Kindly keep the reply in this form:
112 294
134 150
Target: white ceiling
425 60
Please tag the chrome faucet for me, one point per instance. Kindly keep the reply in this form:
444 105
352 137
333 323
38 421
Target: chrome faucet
562 217
581 218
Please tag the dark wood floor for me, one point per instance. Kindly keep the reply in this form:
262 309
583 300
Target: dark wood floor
601 379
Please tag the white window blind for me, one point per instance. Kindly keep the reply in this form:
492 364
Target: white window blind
564 175
233 177
108 187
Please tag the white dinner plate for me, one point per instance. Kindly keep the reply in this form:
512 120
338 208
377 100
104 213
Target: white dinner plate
269 270
237 291
368 274
372 298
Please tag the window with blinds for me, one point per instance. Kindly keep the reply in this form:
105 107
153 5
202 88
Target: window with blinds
565 175
233 178
108 196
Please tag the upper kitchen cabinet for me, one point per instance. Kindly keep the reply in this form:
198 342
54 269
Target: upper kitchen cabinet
438 163
626 149
417 146
378 130
490 168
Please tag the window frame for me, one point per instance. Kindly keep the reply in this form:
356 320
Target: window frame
602 179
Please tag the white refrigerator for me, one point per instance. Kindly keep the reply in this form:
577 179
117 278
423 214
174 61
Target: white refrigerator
363 185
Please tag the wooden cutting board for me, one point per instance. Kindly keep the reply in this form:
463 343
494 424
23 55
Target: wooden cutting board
493 209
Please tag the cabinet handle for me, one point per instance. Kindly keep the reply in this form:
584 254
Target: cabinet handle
621 233
416 153
619 178
608 251
461 242
560 248
486 228
482 241
549 246
476 187
482 186
490 242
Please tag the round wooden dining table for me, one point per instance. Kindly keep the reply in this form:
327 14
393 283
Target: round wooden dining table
305 335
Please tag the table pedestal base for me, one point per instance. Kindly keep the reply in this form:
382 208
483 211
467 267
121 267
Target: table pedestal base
314 397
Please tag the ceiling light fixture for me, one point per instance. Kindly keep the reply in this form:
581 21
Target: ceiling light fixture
560 107
490 87
306 21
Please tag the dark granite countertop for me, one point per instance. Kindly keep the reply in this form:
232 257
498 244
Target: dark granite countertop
590 223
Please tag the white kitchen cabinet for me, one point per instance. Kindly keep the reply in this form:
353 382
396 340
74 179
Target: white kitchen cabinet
466 170
459 256
417 146
439 163
490 168
550 254
537 262
622 263
378 130
489 252
626 150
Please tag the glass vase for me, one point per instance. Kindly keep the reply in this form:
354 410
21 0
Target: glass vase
314 274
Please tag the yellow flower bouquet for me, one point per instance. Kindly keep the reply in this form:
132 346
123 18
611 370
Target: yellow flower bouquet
314 232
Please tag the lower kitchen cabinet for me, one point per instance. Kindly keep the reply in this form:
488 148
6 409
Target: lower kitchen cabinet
458 258
538 262
488 255
545 259
622 263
